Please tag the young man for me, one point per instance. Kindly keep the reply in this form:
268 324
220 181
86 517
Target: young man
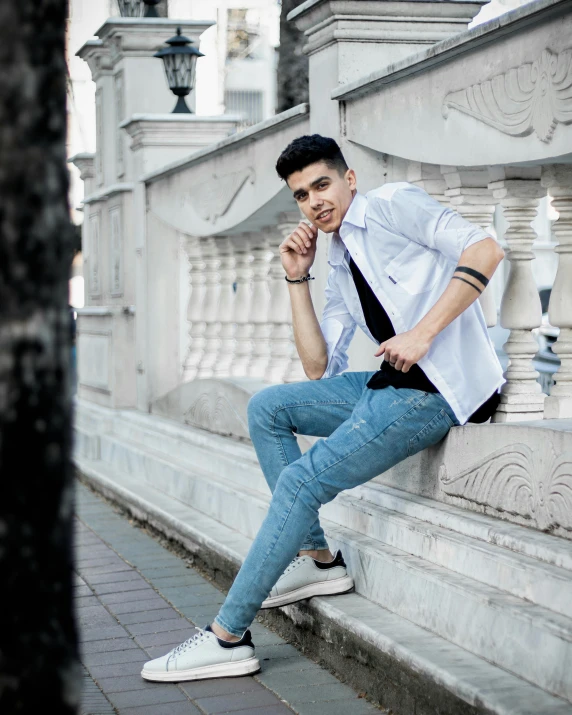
408 272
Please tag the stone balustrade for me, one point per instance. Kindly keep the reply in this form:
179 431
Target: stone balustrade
239 317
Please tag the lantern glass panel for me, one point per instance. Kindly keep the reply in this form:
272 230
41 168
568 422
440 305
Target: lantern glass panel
131 8
180 70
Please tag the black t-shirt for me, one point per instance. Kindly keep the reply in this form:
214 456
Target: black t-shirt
381 327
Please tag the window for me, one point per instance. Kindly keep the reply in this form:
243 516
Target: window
243 31
246 103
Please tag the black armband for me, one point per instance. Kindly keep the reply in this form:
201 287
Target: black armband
458 278
472 272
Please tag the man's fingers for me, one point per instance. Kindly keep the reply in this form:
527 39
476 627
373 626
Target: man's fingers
398 364
381 349
406 366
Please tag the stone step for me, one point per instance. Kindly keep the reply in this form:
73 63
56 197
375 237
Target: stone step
502 568
415 658
422 591
237 462
522 576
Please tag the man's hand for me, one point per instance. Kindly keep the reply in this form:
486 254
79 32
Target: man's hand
298 251
404 350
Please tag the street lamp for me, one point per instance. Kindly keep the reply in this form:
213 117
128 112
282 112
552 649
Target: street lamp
138 8
180 63
150 9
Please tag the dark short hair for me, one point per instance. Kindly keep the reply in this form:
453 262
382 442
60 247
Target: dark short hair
307 150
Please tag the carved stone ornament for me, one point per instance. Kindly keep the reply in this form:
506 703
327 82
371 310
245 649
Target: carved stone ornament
212 198
533 484
215 413
534 97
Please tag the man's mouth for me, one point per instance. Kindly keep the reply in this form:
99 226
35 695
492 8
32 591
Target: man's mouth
325 215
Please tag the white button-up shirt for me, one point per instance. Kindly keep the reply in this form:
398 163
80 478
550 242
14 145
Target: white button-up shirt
407 246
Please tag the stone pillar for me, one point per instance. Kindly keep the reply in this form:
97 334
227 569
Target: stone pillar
225 318
521 396
195 313
469 195
242 306
558 180
210 307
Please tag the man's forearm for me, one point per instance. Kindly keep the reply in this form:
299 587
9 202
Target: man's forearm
484 258
310 342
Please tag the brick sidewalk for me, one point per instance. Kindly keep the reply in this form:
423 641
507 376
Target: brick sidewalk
136 600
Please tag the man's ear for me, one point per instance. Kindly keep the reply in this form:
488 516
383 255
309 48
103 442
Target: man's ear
350 177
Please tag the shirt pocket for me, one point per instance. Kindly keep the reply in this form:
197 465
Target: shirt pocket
416 269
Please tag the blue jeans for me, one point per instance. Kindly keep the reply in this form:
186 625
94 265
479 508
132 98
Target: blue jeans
367 432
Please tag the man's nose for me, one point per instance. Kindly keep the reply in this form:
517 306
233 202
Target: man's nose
316 201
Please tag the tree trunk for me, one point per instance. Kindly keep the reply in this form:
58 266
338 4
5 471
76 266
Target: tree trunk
292 63
38 659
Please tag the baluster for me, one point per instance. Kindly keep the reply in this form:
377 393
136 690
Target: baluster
470 196
280 315
195 317
225 317
521 396
294 372
242 303
260 307
210 308
558 180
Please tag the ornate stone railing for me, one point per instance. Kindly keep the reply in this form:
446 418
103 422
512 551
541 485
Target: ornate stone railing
238 315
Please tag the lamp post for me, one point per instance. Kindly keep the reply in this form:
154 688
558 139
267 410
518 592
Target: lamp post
180 61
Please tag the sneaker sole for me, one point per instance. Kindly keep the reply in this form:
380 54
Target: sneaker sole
322 588
219 670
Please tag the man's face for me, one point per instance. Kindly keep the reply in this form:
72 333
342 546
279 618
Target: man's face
323 195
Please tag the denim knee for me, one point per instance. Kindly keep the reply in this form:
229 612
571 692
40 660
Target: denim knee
294 483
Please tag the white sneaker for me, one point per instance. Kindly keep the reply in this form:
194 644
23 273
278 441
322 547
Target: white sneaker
306 577
204 656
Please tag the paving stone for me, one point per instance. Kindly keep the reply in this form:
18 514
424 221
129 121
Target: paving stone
237 701
116 670
103 589
280 679
107 646
147 604
357 706
82 591
197 602
139 594
289 665
170 624
220 686
157 695
169 640
174 570
274 651
316 693
181 708
280 709
120 577
124 683
182 580
193 589
85 602
131 655
98 633
157 615
109 568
